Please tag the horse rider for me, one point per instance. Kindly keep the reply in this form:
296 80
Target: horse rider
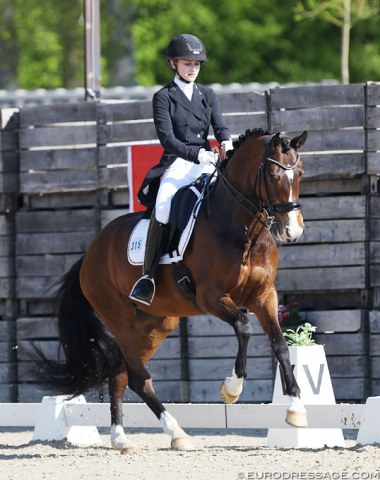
183 112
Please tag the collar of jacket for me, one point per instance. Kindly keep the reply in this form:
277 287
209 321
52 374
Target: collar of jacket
195 105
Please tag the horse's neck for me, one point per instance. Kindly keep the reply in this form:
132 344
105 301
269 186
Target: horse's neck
233 212
239 178
241 210
238 227
241 172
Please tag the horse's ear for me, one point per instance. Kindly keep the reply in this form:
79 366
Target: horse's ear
298 142
276 141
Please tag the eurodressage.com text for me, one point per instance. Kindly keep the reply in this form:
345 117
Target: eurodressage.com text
309 475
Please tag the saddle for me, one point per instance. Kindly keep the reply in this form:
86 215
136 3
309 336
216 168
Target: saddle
183 213
185 207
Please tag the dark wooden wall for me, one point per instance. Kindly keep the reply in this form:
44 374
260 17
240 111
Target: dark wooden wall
63 175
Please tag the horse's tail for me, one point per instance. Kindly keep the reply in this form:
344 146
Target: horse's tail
91 354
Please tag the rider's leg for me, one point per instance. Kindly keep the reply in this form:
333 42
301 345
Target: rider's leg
144 289
180 173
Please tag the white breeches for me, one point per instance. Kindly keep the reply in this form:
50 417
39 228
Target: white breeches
180 173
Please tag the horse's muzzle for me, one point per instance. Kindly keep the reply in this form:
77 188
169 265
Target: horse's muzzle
289 227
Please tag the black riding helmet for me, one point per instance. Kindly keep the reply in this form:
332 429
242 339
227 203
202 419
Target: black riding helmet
186 47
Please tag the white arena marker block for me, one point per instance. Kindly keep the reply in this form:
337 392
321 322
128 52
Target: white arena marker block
369 431
313 378
51 423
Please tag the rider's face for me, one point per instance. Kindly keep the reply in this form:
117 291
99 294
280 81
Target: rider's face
188 69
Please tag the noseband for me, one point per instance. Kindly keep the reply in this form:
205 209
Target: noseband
282 207
269 209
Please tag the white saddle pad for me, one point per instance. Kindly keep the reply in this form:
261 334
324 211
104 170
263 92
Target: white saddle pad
137 240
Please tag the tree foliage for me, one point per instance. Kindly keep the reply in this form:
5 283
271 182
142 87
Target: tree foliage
344 14
41 41
333 10
44 43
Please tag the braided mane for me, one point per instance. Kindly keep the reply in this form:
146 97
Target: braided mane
257 132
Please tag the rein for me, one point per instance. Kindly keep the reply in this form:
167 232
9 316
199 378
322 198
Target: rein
267 220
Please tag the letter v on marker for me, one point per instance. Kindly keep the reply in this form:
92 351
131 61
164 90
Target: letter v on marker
316 388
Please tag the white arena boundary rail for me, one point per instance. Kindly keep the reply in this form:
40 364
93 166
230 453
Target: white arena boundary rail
204 416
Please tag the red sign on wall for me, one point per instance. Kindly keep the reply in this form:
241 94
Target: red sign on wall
141 159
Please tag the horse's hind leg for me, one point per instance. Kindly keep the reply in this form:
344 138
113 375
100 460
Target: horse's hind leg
137 346
117 385
141 383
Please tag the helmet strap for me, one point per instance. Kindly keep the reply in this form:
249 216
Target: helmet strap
171 62
181 78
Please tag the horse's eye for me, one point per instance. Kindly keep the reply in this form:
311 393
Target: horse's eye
273 179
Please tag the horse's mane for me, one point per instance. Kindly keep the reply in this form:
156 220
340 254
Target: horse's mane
257 132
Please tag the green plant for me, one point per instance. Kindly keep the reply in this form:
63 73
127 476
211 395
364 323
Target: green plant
302 336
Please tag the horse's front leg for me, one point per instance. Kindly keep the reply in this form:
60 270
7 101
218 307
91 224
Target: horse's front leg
296 413
267 314
227 311
232 387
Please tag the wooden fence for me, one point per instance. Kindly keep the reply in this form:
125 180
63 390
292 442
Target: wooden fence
63 175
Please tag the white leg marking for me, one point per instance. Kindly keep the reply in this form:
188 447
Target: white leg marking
170 426
118 438
234 384
296 403
296 414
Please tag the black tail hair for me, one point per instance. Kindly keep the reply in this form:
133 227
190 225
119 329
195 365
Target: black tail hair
91 354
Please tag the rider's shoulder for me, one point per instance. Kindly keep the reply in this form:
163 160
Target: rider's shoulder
206 90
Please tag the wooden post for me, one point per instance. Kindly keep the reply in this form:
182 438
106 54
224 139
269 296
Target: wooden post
91 13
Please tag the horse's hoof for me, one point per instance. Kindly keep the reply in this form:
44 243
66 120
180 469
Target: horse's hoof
124 445
182 443
296 417
128 450
227 397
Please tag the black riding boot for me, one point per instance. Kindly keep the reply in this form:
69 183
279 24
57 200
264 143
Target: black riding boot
144 289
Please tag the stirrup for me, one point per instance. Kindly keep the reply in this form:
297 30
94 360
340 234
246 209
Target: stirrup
143 290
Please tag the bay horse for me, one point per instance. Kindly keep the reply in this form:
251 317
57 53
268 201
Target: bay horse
232 257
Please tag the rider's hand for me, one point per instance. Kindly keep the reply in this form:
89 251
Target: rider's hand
204 156
227 145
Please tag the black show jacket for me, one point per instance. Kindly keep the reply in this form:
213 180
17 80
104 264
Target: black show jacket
182 127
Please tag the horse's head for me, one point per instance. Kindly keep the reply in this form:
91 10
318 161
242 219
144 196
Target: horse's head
263 174
279 175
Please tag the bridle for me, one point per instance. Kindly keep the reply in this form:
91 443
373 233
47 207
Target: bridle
266 215
282 207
